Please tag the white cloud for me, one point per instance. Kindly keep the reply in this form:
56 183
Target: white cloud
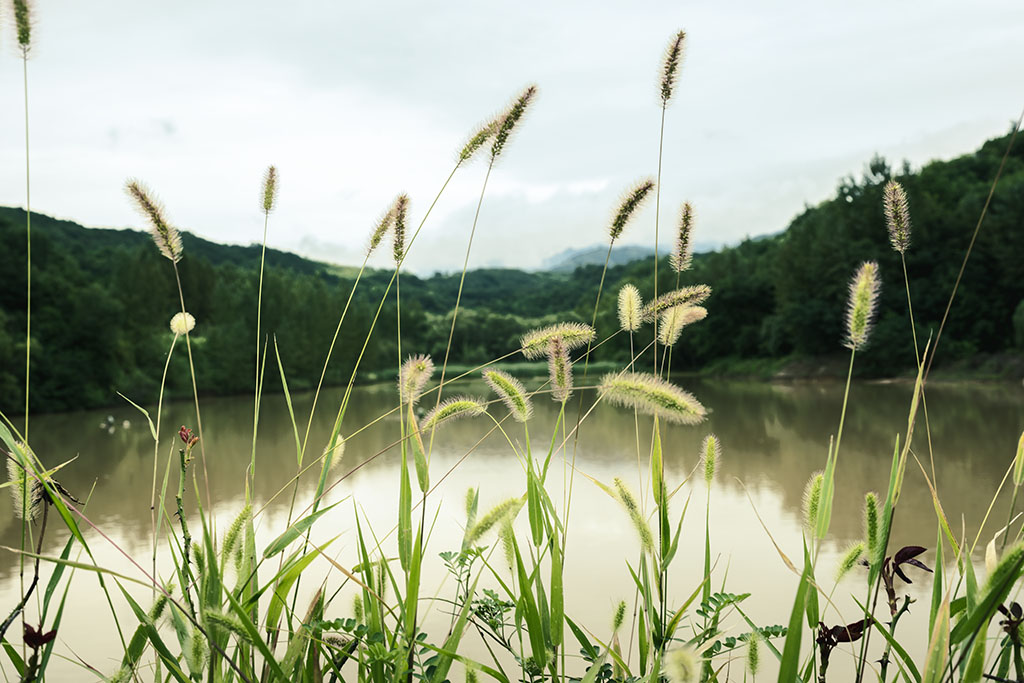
357 102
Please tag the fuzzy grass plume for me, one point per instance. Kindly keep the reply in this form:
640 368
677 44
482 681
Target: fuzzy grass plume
710 454
754 652
182 323
560 369
380 229
849 560
628 501
415 373
653 396
670 66
632 201
630 306
453 409
619 616
333 454
399 214
23 24
511 392
684 296
27 493
166 236
672 322
860 311
513 115
897 215
682 665
534 344
478 139
812 500
269 194
871 526
506 509
682 251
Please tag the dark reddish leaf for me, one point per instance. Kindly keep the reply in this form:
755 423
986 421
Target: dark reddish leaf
850 633
35 639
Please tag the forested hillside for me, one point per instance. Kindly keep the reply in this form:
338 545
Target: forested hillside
102 298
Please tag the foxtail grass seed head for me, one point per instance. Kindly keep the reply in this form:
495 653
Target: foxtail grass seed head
630 304
535 343
682 251
631 201
399 212
269 189
27 493
511 392
508 542
672 322
123 675
157 610
182 323
560 369
628 501
196 652
334 453
692 295
506 509
512 116
380 229
850 559
23 24
619 617
652 395
812 500
471 501
897 215
871 525
414 375
166 236
710 454
453 409
478 139
471 676
357 609
228 622
754 652
670 66
682 665
235 531
860 311
1006 570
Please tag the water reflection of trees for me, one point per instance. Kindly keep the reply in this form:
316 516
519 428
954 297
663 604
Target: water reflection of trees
774 436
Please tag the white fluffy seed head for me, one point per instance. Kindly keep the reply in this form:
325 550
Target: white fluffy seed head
182 323
630 307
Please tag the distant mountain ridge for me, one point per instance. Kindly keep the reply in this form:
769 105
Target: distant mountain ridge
570 259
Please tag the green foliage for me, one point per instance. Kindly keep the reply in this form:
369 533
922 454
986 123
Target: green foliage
104 297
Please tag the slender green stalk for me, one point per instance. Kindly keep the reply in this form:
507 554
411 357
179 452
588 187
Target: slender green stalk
259 320
28 242
156 453
28 305
458 297
846 396
657 219
195 389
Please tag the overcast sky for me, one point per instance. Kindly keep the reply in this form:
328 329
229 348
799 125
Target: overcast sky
355 102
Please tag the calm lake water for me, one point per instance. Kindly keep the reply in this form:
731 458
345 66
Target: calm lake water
773 435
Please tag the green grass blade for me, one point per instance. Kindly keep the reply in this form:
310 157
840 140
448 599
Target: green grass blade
294 531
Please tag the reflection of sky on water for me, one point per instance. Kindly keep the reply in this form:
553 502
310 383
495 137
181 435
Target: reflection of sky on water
774 437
